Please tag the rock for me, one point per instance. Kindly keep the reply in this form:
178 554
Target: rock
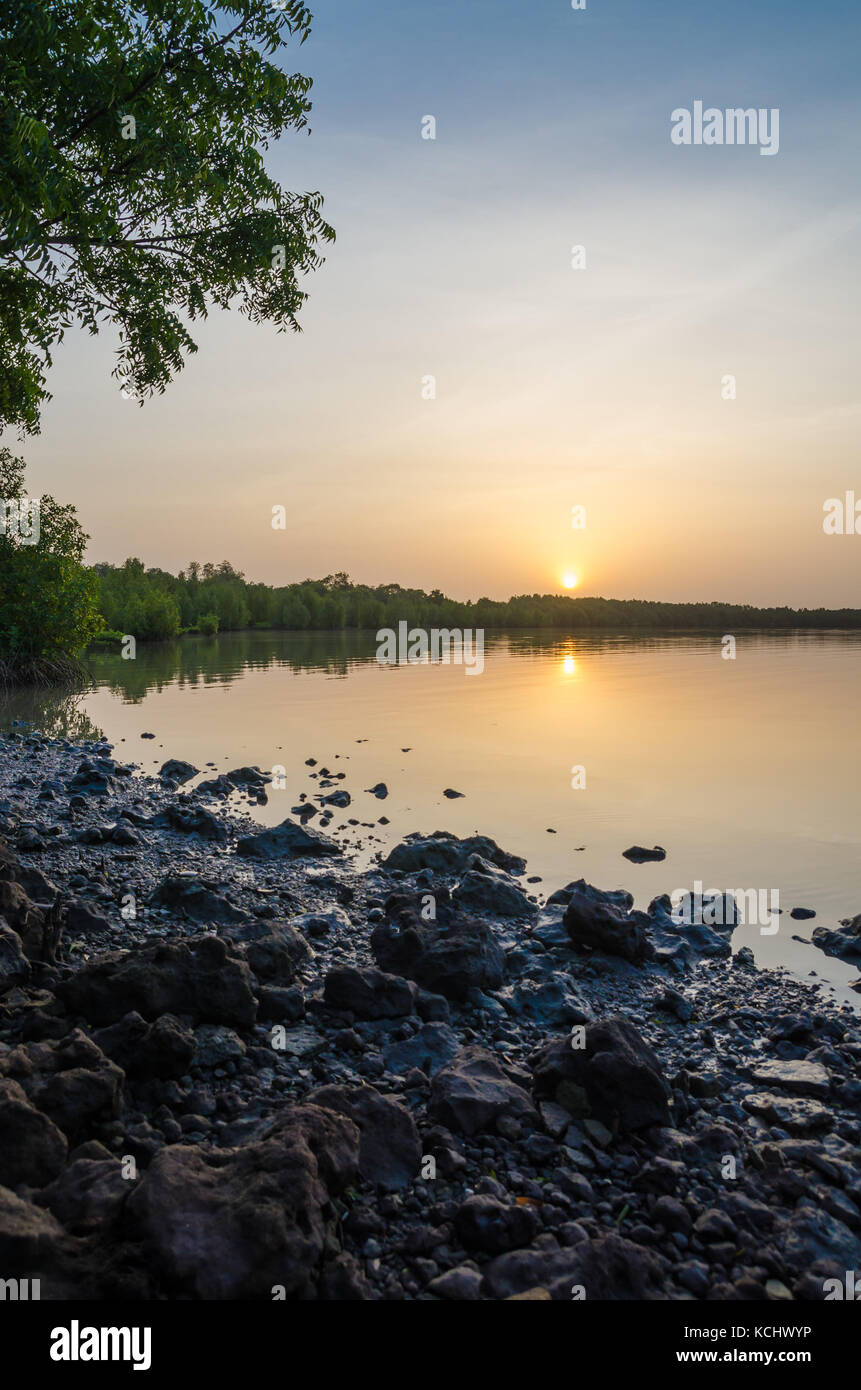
322 923
606 1268
676 1004
811 1234
29 1237
380 791
369 993
163 1049
195 977
191 820
553 1002
32 1148
14 965
460 1285
278 953
175 770
340 799
452 795
616 1078
638 855
389 1148
844 942
235 1223
431 1048
88 1196
186 893
214 1045
489 890
301 1042
802 914
445 853
31 924
605 922
472 1094
448 956
70 1080
287 840
797 1116
484 1223
799 1078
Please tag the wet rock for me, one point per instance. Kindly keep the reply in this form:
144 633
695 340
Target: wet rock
460 1285
605 922
195 977
799 1078
484 1223
448 956
489 890
389 1148
445 853
843 942
185 893
639 855
472 1094
554 1003
214 1045
432 1047
287 840
796 1116
616 1078
380 791
369 993
175 770
234 1223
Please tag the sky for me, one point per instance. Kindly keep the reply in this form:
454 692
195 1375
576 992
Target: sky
602 387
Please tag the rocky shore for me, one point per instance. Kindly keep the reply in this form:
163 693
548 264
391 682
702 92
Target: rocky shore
233 1067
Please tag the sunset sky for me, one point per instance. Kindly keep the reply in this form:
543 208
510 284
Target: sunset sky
556 387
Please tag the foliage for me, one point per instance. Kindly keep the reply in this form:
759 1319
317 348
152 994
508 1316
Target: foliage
133 185
48 609
335 603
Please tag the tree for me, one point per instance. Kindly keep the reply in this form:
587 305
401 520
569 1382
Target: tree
132 181
48 600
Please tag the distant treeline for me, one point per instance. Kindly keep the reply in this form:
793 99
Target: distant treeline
152 604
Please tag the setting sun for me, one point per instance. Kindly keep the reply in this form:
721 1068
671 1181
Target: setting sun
569 581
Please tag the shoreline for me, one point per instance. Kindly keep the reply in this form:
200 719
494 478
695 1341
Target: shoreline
443 1137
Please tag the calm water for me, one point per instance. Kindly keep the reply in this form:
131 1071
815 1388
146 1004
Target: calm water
745 771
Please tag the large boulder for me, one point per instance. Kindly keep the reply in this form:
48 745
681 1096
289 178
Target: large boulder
427 1050
286 841
607 1268
606 923
32 1148
369 993
473 1093
389 1148
69 1079
14 965
196 977
443 852
186 893
491 891
448 955
844 941
164 1048
615 1078
235 1223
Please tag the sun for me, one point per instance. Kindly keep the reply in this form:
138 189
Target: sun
569 580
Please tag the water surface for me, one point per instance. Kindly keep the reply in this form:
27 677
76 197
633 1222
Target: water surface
745 770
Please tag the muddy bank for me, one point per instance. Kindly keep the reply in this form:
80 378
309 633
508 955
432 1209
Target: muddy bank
233 1067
